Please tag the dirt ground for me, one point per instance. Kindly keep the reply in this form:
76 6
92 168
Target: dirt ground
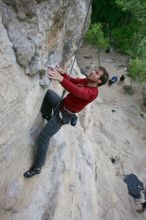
124 129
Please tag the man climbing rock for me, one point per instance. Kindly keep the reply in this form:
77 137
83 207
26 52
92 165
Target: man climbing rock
80 93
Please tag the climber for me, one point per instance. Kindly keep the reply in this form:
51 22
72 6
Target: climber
81 92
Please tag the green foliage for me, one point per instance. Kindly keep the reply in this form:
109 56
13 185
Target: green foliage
144 99
135 7
124 24
128 41
135 28
106 12
137 69
123 40
95 36
141 51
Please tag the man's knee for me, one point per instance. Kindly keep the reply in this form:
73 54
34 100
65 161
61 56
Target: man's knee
46 109
50 97
48 93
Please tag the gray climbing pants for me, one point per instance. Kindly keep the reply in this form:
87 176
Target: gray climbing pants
53 125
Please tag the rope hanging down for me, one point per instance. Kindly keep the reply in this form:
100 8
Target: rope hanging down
78 45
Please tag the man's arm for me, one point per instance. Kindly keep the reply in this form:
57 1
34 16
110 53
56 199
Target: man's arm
74 80
67 76
75 90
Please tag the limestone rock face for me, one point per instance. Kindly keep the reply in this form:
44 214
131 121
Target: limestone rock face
43 32
33 34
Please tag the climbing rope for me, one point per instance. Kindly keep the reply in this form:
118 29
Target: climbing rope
78 45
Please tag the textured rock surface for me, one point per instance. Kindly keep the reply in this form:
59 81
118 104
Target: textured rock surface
33 34
43 32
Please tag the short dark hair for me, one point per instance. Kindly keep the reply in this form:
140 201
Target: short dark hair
104 77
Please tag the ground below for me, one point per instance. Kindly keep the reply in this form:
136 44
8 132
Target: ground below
120 133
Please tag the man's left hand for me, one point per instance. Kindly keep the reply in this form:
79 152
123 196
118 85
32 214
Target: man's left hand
54 75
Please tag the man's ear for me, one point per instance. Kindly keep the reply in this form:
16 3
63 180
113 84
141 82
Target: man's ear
99 81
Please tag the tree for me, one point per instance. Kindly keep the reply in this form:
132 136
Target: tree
95 36
137 70
137 24
124 23
109 14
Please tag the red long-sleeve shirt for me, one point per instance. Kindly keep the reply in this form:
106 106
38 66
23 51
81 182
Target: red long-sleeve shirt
79 93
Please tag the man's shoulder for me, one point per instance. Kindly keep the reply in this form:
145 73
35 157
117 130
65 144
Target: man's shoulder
85 80
93 91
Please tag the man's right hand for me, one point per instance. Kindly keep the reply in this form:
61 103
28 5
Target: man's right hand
59 69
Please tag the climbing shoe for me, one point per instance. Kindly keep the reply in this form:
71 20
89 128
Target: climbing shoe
32 171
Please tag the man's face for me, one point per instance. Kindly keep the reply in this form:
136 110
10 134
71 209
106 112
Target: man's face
95 76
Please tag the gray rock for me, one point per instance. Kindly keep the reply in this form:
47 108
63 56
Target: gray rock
21 15
23 47
37 28
35 34
12 196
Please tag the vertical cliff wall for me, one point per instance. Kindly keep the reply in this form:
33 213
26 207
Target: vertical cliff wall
33 35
